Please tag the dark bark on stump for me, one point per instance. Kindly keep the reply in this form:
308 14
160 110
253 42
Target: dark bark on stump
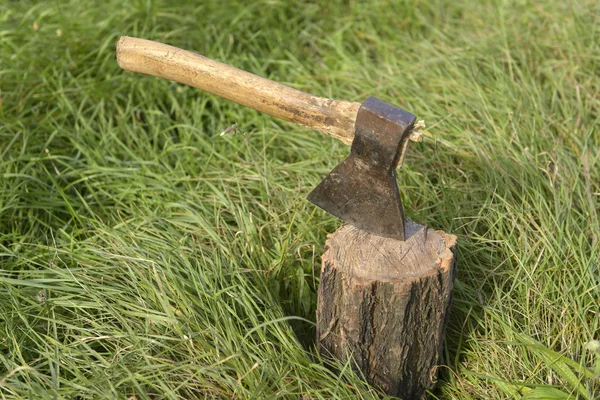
385 303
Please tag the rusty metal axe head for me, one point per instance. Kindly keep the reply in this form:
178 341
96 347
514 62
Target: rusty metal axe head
362 189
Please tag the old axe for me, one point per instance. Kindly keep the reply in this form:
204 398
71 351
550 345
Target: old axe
362 190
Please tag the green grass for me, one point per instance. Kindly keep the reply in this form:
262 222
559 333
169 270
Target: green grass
144 256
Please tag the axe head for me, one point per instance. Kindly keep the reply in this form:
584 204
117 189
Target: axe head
362 190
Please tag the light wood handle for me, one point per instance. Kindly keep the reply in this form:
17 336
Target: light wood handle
333 117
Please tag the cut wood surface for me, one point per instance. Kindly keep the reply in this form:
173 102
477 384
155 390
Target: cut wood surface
385 303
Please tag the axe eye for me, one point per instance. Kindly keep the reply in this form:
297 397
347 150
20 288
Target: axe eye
380 131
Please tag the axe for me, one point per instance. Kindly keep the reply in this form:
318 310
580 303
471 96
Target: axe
362 189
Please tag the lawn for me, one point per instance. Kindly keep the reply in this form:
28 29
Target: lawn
143 255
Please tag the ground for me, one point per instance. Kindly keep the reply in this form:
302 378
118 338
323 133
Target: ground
143 255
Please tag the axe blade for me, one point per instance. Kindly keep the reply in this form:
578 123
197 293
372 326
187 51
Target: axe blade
362 189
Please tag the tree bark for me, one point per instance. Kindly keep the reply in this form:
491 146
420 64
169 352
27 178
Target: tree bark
384 303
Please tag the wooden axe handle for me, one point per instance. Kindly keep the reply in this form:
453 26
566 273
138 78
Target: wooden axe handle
333 117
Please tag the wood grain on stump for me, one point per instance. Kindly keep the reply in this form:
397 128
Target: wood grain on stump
385 303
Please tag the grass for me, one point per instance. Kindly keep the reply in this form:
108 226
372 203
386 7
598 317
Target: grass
144 256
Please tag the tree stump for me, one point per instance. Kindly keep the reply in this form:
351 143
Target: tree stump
384 303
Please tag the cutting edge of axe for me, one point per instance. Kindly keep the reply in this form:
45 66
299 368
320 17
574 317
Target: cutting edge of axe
367 208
